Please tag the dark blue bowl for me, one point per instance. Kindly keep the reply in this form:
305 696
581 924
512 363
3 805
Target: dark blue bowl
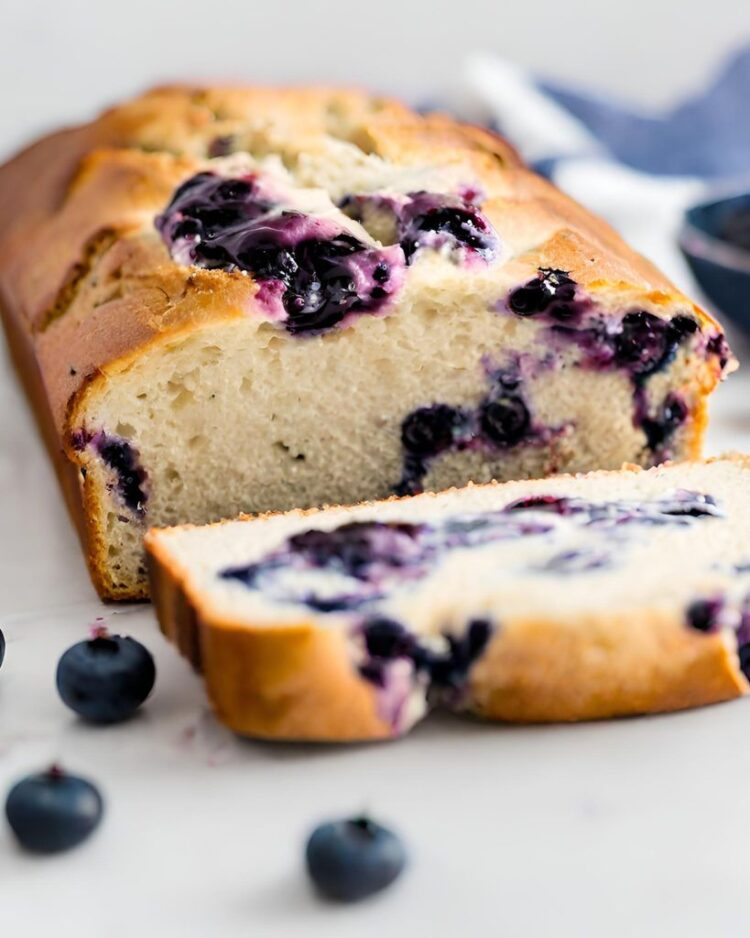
721 268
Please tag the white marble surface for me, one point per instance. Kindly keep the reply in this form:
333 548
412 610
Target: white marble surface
628 828
634 827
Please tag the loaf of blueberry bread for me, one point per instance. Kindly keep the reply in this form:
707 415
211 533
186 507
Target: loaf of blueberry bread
562 599
228 299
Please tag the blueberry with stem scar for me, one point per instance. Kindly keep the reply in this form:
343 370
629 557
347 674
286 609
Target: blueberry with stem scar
53 811
105 679
351 859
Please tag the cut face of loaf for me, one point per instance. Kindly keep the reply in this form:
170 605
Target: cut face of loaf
563 599
243 301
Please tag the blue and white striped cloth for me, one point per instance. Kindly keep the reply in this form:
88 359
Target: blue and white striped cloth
638 170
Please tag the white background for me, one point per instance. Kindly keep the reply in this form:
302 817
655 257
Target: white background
61 59
628 828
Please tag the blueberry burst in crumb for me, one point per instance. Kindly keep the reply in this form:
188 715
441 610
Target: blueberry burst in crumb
640 344
500 421
313 273
429 221
120 456
711 614
551 292
445 669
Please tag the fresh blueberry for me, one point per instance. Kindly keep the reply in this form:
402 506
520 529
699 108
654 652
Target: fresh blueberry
504 421
2 648
53 811
430 430
351 859
106 678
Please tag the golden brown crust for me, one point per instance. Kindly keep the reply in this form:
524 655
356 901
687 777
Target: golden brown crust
288 684
618 665
83 200
299 682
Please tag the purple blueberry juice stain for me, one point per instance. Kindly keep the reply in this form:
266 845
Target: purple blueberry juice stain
441 666
122 458
639 344
743 637
313 274
430 221
364 561
678 507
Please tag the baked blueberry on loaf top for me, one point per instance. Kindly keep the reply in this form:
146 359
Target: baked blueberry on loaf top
232 299
556 599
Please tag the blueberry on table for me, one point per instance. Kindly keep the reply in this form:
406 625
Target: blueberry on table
350 859
105 679
53 811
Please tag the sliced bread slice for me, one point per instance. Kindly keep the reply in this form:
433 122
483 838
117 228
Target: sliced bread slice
570 598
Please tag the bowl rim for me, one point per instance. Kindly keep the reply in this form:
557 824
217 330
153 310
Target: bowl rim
695 242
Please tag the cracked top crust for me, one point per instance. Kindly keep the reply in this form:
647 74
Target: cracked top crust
84 271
